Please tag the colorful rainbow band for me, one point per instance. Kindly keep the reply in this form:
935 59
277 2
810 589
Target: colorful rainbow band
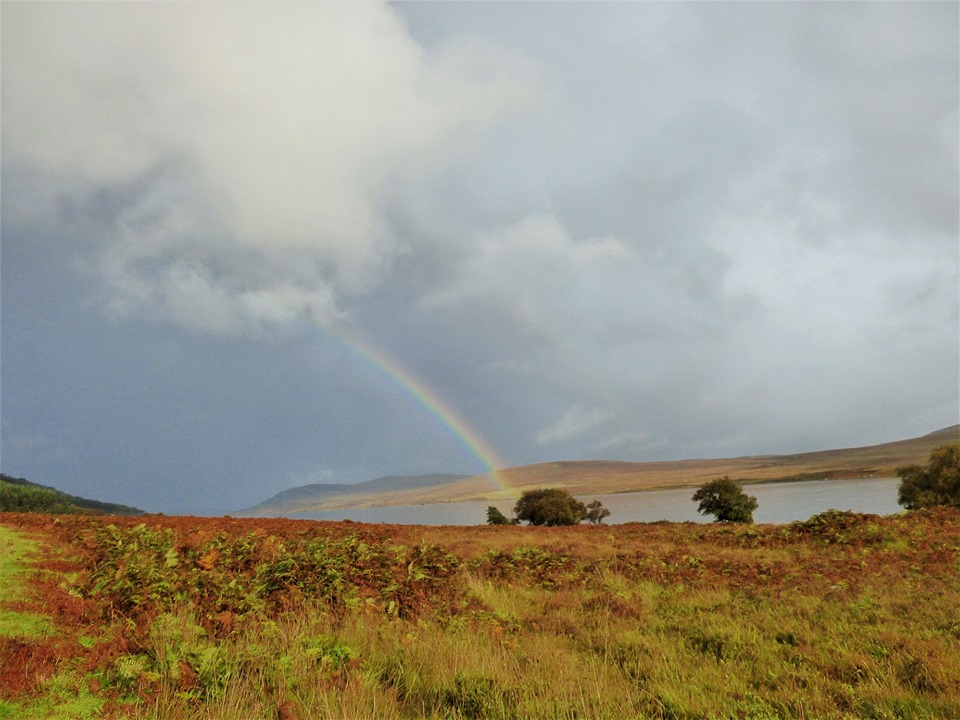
427 397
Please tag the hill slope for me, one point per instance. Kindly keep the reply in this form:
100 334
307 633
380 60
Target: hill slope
19 495
596 477
310 495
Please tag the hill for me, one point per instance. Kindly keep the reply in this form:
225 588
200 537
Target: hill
599 477
323 493
19 495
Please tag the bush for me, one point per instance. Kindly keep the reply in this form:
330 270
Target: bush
495 517
596 512
936 484
549 506
725 499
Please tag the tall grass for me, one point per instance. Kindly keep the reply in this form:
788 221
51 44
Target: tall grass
845 616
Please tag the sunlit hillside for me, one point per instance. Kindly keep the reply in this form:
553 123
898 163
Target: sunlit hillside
599 477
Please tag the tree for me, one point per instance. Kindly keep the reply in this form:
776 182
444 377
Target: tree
936 484
725 499
495 517
549 506
596 512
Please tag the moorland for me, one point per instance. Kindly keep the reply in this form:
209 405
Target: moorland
598 477
841 616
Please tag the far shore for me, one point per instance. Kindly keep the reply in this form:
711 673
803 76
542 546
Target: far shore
302 509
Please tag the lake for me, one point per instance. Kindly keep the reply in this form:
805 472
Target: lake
777 503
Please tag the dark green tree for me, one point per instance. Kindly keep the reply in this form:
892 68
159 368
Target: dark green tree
549 506
726 500
19 495
936 484
495 517
596 512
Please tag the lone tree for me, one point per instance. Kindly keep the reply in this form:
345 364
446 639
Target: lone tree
936 484
596 512
549 506
725 499
495 517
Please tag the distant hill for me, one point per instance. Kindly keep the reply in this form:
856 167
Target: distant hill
598 477
329 493
19 495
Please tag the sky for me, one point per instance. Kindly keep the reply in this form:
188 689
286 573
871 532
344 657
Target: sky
250 246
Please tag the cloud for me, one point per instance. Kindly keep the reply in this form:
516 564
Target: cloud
576 422
563 289
628 441
891 84
635 231
235 158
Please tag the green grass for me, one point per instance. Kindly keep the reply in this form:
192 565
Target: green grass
22 624
14 550
696 654
66 697
14 566
843 617
65 694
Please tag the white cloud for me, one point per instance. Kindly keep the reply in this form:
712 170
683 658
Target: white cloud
250 146
591 292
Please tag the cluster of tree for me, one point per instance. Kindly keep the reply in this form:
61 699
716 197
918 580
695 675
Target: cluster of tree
725 500
936 484
22 498
549 507
19 495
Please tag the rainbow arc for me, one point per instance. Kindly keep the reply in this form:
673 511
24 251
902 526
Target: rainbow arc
428 398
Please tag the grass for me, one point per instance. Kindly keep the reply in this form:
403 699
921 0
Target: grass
15 551
845 616
33 650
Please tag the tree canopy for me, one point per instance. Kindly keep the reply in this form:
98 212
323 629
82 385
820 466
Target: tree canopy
596 512
726 500
495 517
936 484
19 495
549 506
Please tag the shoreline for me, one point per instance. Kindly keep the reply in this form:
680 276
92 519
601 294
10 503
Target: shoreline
288 512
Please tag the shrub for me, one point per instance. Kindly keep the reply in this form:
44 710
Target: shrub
549 506
936 484
495 517
725 499
596 512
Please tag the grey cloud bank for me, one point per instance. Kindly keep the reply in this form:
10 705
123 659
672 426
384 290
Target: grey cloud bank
625 231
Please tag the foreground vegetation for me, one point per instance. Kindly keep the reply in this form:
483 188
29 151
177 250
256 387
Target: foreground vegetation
936 484
843 616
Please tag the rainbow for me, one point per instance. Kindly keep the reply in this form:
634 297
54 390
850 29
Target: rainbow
429 399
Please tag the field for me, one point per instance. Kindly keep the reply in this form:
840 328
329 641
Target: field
843 616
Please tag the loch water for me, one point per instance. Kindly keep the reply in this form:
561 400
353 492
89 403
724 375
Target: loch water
777 503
